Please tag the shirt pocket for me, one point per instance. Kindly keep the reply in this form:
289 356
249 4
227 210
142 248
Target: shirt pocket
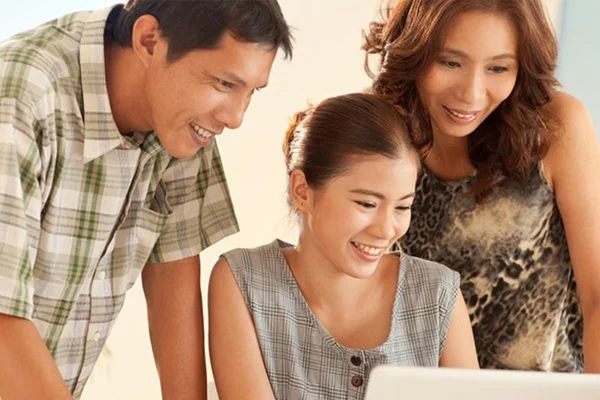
135 239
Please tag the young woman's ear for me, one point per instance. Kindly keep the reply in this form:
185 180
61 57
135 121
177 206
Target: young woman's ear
300 192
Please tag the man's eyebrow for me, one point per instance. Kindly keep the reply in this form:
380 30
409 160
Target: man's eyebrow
233 77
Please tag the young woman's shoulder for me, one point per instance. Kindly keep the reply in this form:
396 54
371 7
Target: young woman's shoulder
421 271
254 270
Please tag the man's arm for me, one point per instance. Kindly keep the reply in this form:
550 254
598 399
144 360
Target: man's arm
175 320
28 369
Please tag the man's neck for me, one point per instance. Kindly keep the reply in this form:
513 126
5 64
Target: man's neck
124 80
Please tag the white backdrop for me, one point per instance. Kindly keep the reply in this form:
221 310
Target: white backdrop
327 61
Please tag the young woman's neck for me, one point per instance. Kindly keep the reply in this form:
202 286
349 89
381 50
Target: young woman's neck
322 285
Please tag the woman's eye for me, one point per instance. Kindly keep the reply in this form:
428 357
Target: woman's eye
498 70
365 204
450 64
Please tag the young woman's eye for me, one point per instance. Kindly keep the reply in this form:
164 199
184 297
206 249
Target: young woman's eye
403 208
498 69
365 204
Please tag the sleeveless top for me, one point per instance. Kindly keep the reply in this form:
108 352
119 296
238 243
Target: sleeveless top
516 274
303 361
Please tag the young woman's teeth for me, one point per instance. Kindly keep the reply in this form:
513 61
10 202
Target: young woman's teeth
203 133
372 251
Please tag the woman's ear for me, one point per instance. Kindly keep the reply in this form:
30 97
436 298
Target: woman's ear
300 192
145 37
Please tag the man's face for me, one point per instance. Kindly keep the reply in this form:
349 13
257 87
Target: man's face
195 97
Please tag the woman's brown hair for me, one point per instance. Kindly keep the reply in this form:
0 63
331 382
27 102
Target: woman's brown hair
515 137
322 140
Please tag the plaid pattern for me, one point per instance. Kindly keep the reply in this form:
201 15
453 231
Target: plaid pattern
83 208
303 361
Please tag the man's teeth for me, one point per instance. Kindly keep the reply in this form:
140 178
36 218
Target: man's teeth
201 132
372 251
462 116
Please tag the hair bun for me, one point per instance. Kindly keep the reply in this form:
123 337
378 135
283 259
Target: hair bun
290 133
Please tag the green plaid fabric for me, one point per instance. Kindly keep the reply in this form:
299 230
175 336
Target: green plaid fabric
83 208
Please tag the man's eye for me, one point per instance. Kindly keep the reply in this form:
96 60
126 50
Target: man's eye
226 84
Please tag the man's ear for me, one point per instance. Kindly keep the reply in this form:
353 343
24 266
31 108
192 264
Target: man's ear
146 38
300 193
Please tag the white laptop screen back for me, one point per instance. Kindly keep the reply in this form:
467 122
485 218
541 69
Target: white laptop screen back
392 382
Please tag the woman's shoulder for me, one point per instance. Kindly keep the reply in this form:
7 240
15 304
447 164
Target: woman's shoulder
256 263
565 105
422 272
248 256
255 270
571 114
575 131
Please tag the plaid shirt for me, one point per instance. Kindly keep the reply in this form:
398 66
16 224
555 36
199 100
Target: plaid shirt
83 208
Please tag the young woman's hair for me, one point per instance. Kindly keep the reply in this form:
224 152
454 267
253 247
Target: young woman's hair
322 140
191 25
509 143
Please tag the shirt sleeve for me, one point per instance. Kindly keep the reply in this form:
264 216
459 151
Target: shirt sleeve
20 205
202 211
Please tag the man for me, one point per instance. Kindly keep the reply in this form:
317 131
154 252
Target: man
109 169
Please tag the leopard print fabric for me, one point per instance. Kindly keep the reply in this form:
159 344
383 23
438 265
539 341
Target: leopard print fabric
516 274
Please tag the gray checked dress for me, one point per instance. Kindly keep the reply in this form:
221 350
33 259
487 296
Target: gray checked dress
303 361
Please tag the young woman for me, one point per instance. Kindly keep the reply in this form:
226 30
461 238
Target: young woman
311 320
510 186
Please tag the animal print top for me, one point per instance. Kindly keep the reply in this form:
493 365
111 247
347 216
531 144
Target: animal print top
516 274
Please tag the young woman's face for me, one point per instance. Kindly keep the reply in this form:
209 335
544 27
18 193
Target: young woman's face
474 71
356 217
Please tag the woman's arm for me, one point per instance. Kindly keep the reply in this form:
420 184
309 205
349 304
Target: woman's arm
459 348
235 353
573 168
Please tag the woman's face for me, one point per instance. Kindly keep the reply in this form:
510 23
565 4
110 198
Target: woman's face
352 222
473 72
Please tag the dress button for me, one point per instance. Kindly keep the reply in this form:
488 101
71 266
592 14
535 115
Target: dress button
102 275
355 360
357 381
96 337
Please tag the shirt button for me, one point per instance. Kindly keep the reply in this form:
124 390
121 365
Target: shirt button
102 275
96 337
355 360
357 381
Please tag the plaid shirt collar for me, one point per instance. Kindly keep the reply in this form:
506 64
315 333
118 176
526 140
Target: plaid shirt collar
96 104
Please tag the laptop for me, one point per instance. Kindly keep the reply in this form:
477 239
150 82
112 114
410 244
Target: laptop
406 383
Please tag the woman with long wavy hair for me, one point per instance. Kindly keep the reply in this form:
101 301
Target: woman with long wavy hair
510 183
